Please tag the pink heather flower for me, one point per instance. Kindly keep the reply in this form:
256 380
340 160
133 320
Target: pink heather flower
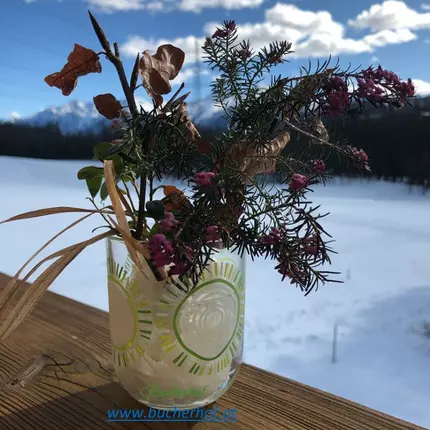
273 238
338 84
116 124
337 101
229 27
298 182
204 179
160 259
319 166
168 223
179 268
219 33
360 157
161 249
244 53
116 142
310 245
368 89
296 275
406 89
213 233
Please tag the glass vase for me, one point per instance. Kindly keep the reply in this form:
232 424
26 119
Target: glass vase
179 344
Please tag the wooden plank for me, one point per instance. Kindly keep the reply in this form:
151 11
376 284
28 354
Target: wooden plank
56 373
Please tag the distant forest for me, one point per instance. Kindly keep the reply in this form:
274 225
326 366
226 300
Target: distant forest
397 144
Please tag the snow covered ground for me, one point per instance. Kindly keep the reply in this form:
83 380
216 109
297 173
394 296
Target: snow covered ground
383 239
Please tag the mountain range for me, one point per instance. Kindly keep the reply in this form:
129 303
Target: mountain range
81 116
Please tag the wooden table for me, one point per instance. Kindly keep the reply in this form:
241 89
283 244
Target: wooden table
56 373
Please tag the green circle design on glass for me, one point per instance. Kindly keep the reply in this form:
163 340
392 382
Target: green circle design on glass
131 318
203 328
178 309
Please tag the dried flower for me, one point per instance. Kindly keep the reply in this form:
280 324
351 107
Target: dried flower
298 182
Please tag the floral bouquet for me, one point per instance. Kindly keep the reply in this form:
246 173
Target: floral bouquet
175 241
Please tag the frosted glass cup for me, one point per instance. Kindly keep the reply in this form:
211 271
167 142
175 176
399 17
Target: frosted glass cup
179 345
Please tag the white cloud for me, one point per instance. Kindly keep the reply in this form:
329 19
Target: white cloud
312 33
422 87
187 74
117 5
389 37
425 6
391 15
190 45
198 5
146 104
374 59
110 6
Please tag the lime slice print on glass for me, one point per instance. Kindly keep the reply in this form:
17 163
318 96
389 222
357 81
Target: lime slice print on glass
131 316
206 326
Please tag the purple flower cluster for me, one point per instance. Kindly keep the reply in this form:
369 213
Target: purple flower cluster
319 166
163 254
204 179
168 223
298 182
273 238
162 250
228 28
360 157
387 79
213 233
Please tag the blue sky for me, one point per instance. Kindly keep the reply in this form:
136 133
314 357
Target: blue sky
37 36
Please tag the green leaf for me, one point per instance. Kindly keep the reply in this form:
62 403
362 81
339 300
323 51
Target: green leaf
117 164
101 150
155 209
154 230
90 172
94 185
103 191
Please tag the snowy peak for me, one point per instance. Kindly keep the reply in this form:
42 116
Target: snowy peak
80 116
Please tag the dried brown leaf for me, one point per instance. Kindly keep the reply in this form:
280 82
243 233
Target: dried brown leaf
318 129
158 69
107 105
252 159
80 62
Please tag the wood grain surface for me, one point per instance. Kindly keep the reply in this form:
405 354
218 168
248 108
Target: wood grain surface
56 373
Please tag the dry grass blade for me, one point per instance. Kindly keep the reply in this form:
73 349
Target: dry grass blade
9 292
142 254
133 246
32 294
52 211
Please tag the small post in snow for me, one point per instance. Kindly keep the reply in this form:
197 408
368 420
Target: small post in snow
334 346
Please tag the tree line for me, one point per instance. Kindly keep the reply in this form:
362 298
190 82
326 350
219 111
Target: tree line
397 144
